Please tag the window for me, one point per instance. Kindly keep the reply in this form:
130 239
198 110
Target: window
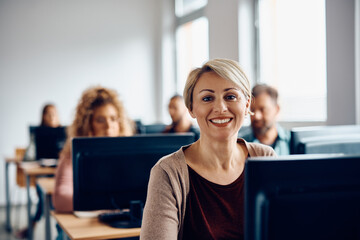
192 48
184 7
292 56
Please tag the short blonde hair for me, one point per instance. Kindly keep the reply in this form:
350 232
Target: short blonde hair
225 68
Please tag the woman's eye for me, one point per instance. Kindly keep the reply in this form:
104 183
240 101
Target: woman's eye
230 97
115 119
207 99
100 120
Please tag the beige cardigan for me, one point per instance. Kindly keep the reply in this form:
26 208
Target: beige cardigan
168 189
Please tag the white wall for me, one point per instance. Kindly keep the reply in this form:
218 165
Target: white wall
223 29
53 50
341 80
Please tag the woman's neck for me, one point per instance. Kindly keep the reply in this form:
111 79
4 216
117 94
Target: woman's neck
219 162
217 154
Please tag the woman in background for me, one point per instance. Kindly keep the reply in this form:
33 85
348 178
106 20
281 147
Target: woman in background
99 113
198 191
49 118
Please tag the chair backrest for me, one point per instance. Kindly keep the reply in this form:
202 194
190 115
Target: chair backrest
140 128
155 128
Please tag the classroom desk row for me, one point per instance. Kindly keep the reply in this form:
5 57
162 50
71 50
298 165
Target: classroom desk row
74 227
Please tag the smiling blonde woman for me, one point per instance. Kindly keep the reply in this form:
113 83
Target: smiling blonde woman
198 191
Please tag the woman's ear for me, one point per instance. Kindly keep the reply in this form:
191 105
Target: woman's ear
247 110
191 114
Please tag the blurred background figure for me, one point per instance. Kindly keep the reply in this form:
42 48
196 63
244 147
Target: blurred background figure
99 113
181 121
264 126
49 118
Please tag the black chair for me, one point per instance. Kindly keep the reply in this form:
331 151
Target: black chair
154 128
140 128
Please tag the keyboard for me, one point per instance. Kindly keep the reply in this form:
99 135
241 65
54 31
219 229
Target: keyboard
110 217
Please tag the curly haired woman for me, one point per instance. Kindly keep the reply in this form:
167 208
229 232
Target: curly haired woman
99 113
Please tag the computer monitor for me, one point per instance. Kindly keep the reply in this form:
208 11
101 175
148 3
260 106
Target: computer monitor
110 172
48 141
302 197
346 145
301 135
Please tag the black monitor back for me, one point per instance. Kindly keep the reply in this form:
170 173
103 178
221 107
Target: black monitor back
302 197
111 172
301 135
48 141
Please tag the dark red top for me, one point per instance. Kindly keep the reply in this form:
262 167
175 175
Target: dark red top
214 211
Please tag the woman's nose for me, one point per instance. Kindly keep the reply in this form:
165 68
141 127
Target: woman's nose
107 124
220 106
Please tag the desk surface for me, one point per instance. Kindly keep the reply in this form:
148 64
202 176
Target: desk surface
47 184
34 169
90 228
13 160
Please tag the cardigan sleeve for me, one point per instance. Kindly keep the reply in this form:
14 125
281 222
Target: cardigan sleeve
64 189
161 213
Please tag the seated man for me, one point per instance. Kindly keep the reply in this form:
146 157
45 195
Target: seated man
180 118
263 123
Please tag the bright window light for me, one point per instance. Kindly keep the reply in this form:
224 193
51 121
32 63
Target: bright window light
192 48
292 56
184 7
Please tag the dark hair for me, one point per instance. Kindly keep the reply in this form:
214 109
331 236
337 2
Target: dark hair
176 96
264 88
45 109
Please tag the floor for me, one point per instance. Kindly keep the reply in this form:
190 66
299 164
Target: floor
19 221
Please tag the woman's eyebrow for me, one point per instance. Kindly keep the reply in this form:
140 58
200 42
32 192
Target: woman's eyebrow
228 89
207 90
212 91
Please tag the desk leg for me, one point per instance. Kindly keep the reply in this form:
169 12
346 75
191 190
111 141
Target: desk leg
8 203
30 225
47 216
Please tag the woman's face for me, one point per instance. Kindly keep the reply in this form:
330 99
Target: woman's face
105 121
219 107
51 118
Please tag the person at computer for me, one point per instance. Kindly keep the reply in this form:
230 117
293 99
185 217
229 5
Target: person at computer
49 118
198 191
264 127
99 113
179 116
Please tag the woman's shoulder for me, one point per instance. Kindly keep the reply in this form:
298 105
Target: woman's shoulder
173 159
258 149
172 163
